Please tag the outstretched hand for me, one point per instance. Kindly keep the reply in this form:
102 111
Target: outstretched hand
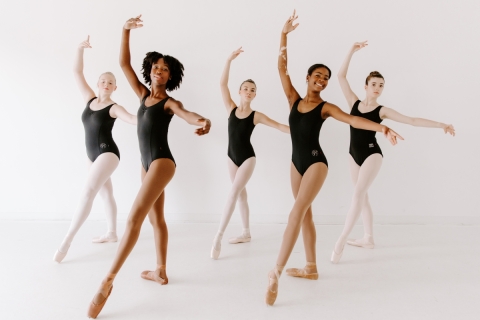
359 45
391 135
289 26
133 23
85 44
206 124
449 129
235 54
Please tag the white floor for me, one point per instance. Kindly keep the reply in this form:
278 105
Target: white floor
415 272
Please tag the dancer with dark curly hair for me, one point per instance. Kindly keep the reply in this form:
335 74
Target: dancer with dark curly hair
103 155
162 73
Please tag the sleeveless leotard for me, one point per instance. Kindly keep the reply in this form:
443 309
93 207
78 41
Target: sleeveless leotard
239 133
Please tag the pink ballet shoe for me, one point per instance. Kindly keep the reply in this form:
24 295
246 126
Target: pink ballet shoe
94 309
302 273
109 237
272 289
240 239
214 253
152 276
59 255
366 242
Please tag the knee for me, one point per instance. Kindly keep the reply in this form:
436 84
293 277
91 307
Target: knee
89 193
243 197
360 195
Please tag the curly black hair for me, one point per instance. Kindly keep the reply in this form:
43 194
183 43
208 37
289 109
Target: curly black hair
318 66
175 67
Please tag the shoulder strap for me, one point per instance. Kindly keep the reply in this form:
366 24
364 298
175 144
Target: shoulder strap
88 103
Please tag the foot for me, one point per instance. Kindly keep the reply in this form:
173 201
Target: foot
337 252
272 289
159 275
109 237
365 242
240 239
59 255
216 247
309 272
100 298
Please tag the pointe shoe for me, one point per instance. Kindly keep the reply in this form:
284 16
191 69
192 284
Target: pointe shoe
214 253
271 294
363 243
302 273
95 309
109 237
152 276
59 255
240 239
336 256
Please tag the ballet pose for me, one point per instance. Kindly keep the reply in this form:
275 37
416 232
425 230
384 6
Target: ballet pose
162 73
241 157
309 164
103 155
365 154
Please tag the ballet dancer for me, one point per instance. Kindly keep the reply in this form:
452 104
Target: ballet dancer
162 73
241 157
365 154
103 155
309 164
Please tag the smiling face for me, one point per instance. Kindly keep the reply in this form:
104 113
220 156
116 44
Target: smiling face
374 88
318 80
160 73
247 91
106 83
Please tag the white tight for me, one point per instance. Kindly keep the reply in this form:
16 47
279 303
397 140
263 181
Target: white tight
239 176
98 180
363 177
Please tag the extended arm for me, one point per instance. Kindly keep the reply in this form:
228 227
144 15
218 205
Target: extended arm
263 119
118 111
335 112
190 117
342 74
140 90
290 92
86 91
227 99
387 113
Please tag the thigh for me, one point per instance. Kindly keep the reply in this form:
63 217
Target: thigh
354 169
101 170
244 173
368 171
232 169
311 183
295 179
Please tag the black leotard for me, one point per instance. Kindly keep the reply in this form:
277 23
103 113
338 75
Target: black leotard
363 142
239 133
98 126
152 131
305 132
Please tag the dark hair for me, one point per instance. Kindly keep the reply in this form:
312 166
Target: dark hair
248 80
374 74
175 67
318 66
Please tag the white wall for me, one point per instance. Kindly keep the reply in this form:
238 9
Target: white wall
428 52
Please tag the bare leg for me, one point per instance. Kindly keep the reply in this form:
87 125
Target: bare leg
160 173
242 176
367 174
99 172
310 185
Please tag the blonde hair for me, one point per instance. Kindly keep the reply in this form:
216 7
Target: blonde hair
110 74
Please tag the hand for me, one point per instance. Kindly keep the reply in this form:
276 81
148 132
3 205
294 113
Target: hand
391 135
85 44
235 54
289 27
448 128
359 45
206 124
133 23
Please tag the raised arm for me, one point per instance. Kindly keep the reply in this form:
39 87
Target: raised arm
290 92
227 99
342 74
140 90
117 111
331 110
190 117
86 91
263 119
387 113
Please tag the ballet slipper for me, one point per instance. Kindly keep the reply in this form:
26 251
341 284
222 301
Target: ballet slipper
272 289
94 309
303 273
214 253
59 255
240 239
365 242
336 256
152 276
109 237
